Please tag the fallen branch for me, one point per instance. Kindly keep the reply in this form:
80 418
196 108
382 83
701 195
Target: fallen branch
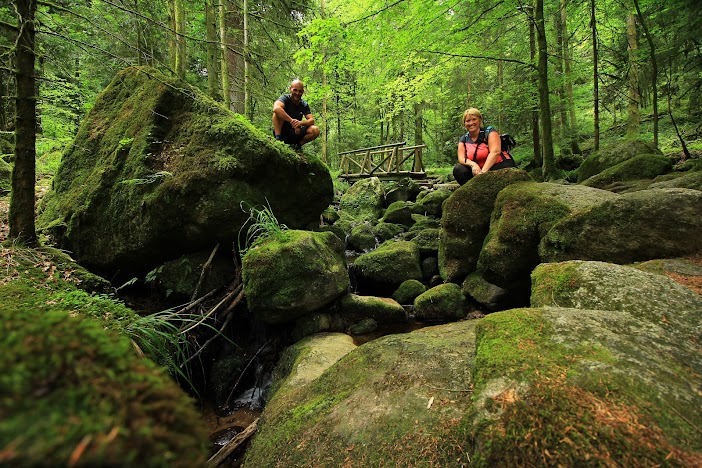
205 268
214 309
239 439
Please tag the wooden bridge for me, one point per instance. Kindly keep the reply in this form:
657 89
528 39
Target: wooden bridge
387 162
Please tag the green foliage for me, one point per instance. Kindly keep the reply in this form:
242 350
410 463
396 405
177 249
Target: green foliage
261 225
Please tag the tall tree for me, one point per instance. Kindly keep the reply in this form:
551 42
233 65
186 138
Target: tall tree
21 216
654 70
212 38
632 127
549 169
180 63
595 76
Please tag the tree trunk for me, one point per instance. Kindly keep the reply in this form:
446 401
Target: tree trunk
560 89
535 133
568 61
549 169
21 216
212 50
654 71
233 36
247 84
632 125
180 55
595 77
172 43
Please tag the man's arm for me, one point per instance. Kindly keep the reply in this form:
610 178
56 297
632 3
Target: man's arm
279 111
309 120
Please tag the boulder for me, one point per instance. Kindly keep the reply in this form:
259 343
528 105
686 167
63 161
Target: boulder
158 169
426 239
466 220
642 166
354 308
489 297
614 154
381 271
294 273
403 190
430 204
590 387
637 226
399 212
387 231
523 214
363 201
689 180
408 291
444 303
362 238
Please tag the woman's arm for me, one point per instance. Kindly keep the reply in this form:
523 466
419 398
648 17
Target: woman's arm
495 147
466 162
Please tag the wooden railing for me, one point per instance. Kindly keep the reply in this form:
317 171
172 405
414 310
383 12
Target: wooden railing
384 161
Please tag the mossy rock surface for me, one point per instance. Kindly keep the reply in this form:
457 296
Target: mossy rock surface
179 279
364 200
403 190
444 302
380 309
5 178
426 239
431 203
72 388
466 220
386 231
294 273
381 271
689 180
157 169
362 238
614 154
643 166
488 296
523 214
471 392
408 291
399 212
633 227
7 142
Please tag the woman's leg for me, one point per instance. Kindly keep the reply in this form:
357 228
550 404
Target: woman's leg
462 173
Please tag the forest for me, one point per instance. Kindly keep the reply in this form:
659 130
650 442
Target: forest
558 75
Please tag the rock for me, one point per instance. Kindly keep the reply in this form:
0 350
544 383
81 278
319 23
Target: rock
650 297
381 309
488 296
310 324
524 213
387 231
430 204
637 226
399 212
614 154
424 222
364 327
444 302
642 166
430 268
294 273
381 271
408 291
471 392
427 240
466 220
690 180
403 190
7 142
158 169
362 238
363 201
5 178
330 215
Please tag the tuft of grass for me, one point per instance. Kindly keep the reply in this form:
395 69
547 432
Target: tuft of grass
261 224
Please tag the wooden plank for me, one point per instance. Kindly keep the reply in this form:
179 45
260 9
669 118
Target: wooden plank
227 449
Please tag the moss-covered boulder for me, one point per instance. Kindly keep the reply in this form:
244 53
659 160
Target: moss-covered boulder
381 271
606 286
294 273
5 178
386 231
689 180
614 154
443 303
523 214
587 387
466 220
362 238
380 309
399 212
408 291
430 204
632 227
642 166
403 190
363 201
490 297
158 169
426 239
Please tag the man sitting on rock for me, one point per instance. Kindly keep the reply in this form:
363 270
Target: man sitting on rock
288 112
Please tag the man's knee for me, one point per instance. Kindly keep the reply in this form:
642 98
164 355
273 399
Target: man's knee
313 131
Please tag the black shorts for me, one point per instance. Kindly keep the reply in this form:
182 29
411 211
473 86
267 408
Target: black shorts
288 135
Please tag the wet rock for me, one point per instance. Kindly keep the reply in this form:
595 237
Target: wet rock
444 302
408 291
381 271
614 154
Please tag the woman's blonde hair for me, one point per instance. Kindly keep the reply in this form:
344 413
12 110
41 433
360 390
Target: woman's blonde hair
475 112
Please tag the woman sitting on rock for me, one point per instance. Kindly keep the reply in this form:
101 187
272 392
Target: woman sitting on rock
479 150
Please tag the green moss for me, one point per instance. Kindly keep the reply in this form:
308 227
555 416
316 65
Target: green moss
643 166
553 279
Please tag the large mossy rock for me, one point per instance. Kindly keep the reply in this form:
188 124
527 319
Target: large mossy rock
430 204
643 166
637 226
158 170
689 180
614 154
472 392
466 220
381 309
442 303
363 201
381 271
294 273
523 214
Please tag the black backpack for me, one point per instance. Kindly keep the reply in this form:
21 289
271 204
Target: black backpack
506 143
